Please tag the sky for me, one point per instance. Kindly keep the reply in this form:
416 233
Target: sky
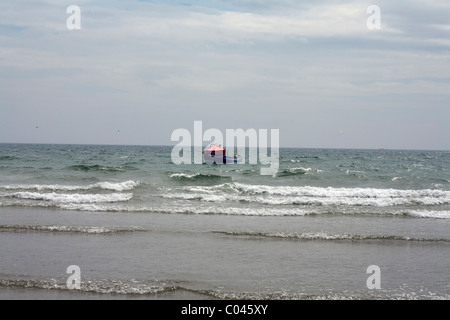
321 72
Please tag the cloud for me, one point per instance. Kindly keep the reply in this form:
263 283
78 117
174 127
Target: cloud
158 59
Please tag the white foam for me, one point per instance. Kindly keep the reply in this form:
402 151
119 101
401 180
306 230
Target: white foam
200 210
211 189
55 228
306 170
208 197
73 198
430 214
98 286
331 201
114 186
118 186
183 175
331 192
195 208
287 195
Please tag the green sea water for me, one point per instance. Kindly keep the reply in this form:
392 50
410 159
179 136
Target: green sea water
139 226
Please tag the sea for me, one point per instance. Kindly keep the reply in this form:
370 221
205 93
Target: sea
125 222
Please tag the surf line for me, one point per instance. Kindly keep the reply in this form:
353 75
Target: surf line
235 138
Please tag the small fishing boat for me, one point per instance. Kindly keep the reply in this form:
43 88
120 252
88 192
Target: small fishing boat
216 154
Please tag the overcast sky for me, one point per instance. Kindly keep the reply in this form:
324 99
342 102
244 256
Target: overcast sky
138 70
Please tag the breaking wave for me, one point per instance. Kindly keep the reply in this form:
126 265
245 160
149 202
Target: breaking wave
199 177
55 195
67 229
113 186
213 209
307 196
430 214
72 198
339 192
326 236
100 286
187 209
230 198
135 288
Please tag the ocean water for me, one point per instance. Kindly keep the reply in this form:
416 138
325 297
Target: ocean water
140 227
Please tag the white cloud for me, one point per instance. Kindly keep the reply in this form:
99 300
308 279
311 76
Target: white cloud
319 55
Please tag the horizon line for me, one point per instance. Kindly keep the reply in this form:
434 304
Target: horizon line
168 145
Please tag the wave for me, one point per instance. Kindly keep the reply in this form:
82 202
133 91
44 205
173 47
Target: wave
71 198
97 167
207 198
288 172
100 286
309 196
67 229
199 177
429 214
8 158
326 237
324 294
214 209
112 186
134 288
185 209
230 198
344 196
117 186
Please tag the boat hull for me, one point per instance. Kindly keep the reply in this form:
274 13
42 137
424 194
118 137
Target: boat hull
211 159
